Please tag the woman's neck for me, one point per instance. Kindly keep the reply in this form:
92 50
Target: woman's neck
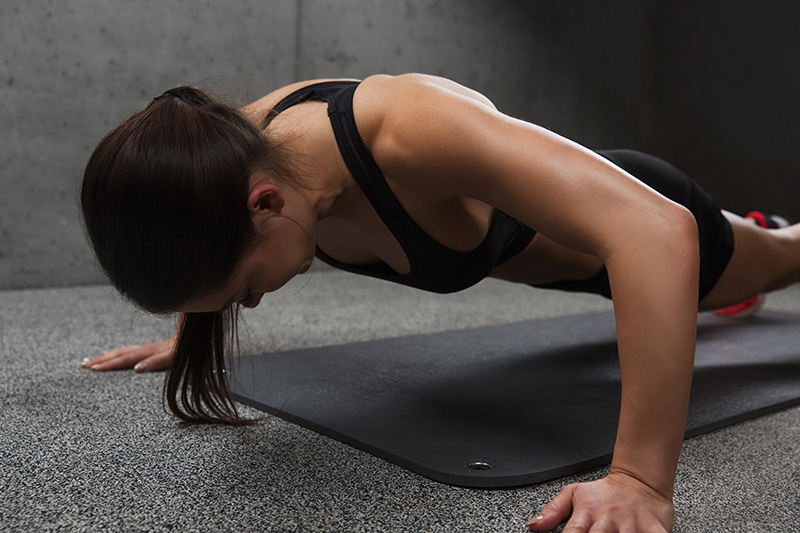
322 180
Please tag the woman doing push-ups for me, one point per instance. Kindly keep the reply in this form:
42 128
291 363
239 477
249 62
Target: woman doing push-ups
195 207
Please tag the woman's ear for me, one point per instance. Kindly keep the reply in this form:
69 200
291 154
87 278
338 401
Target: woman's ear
265 197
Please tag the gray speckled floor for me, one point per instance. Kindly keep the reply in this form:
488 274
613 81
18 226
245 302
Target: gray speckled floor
95 451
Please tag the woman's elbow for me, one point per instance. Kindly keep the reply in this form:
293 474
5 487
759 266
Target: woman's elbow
679 239
667 235
683 227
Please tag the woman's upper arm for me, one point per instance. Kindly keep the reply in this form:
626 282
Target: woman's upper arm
445 141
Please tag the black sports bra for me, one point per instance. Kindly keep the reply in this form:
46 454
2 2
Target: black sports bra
434 267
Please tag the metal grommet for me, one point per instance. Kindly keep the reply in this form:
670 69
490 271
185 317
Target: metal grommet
480 465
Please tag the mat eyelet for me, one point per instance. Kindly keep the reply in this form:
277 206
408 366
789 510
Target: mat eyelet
480 465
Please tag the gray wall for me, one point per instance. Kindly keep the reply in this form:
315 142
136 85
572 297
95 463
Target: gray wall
661 76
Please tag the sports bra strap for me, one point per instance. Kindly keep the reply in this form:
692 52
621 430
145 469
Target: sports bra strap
339 97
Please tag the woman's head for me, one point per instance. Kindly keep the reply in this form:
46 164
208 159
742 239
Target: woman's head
164 198
166 202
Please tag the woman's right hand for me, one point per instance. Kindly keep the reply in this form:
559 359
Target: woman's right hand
143 358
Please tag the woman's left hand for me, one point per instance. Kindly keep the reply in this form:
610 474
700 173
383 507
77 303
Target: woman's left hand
618 502
143 358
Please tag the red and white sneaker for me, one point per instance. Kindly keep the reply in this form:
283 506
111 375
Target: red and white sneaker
767 221
753 305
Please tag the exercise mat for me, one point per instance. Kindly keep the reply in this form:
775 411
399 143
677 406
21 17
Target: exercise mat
516 404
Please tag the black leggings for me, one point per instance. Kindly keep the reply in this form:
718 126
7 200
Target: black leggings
716 236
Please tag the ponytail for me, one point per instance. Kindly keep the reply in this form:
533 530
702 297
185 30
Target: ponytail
196 388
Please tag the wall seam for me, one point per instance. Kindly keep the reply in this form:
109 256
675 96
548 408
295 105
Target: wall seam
298 41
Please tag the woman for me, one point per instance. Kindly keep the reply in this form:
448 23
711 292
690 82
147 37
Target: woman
194 207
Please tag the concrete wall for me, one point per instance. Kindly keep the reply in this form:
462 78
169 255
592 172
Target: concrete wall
74 70
620 73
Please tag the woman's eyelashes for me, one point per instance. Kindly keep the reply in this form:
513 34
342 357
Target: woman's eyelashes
247 301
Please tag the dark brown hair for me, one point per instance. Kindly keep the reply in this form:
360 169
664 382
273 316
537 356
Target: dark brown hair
164 205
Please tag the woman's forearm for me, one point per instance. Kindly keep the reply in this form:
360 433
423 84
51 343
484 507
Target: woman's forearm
655 303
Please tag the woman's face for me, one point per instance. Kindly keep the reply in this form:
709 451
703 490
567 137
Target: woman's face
282 250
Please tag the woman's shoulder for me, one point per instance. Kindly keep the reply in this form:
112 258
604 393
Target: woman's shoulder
375 92
388 92
417 82
384 104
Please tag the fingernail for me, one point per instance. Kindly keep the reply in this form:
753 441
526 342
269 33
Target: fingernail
140 367
532 521
85 361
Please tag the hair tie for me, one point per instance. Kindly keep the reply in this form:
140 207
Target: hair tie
175 92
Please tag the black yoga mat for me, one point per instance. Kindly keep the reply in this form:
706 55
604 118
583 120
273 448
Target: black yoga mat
516 404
